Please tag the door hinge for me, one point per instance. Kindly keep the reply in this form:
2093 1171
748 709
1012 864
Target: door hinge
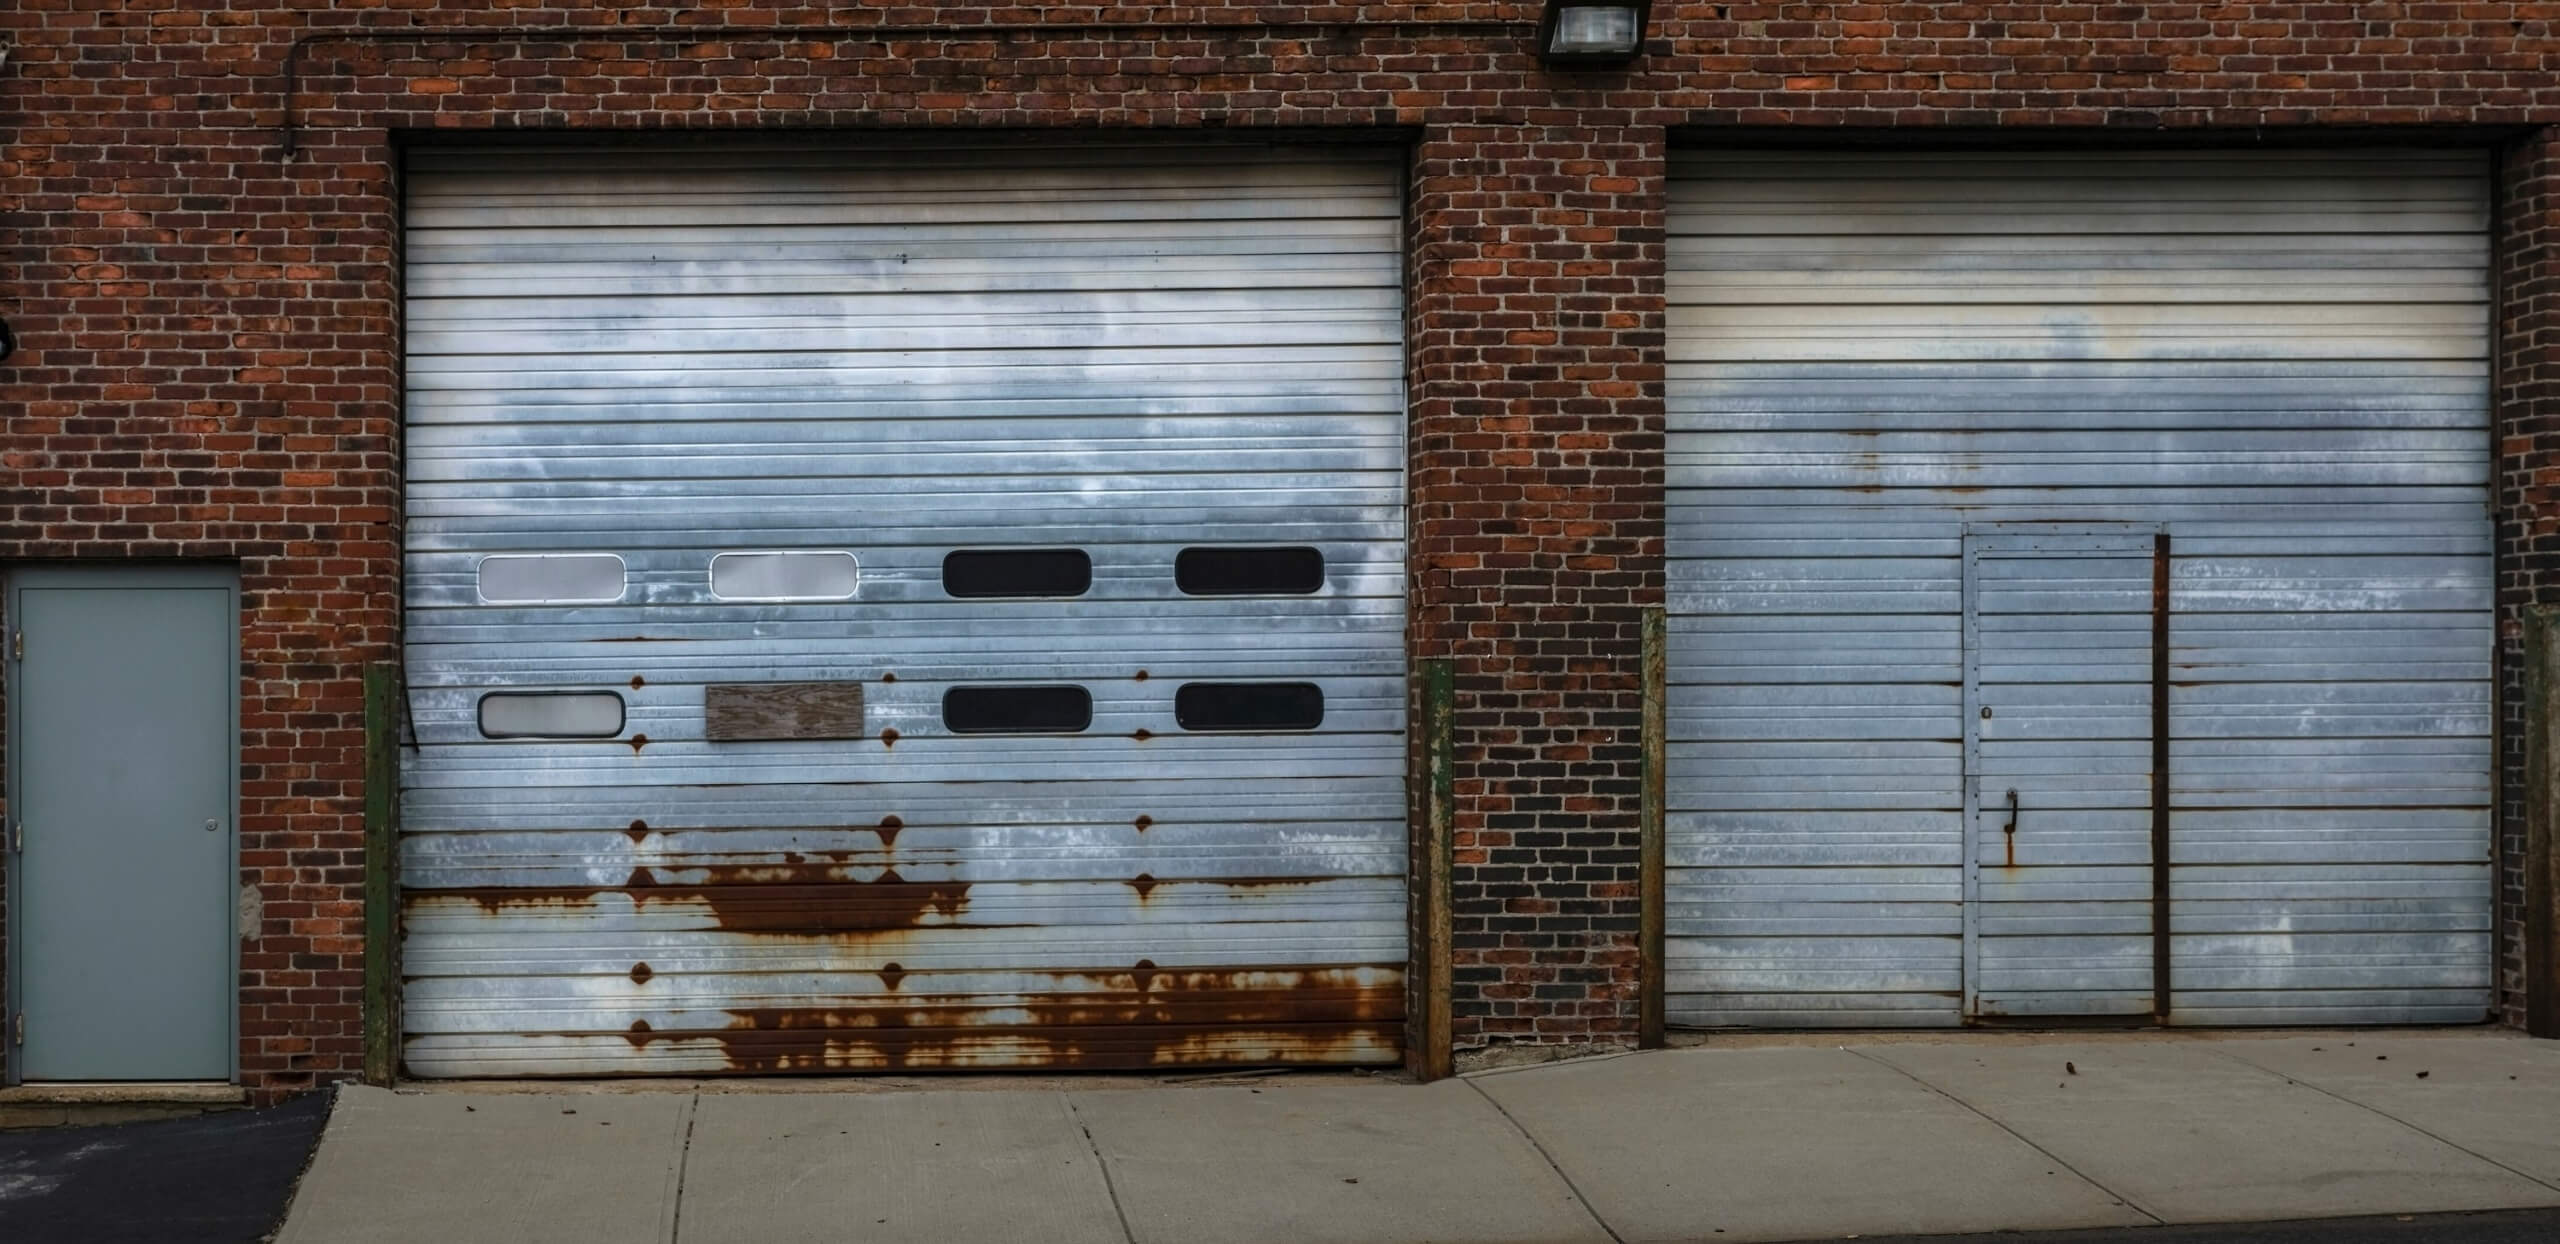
18 837
18 644
20 1028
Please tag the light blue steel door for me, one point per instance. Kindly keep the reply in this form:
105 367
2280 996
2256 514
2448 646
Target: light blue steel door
122 693
2059 762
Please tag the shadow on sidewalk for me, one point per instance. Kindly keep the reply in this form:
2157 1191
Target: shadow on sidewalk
216 1179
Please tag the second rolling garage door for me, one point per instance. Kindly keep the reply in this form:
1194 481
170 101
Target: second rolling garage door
2080 589
905 608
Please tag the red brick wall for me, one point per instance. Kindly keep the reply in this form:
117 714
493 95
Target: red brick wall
210 358
2528 496
1536 390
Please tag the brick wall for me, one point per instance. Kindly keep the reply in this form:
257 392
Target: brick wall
1536 358
209 362
2528 496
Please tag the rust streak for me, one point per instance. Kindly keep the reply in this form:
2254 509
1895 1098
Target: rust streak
799 909
1145 1017
1144 884
888 831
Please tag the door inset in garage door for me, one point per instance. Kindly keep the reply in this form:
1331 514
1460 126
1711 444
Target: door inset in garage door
2062 629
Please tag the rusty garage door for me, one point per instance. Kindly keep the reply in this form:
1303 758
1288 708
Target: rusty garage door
2080 579
903 608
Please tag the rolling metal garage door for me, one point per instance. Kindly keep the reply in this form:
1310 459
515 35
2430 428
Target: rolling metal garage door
2000 483
903 608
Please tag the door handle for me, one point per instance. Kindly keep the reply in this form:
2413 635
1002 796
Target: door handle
2012 826
2009 833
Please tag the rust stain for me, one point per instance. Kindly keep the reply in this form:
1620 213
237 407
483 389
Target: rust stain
752 906
640 1034
638 741
638 831
888 676
889 737
637 682
1145 1017
1142 676
890 975
1143 822
640 973
1144 884
888 831
1143 734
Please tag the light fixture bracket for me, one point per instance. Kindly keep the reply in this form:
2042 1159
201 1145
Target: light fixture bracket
1592 34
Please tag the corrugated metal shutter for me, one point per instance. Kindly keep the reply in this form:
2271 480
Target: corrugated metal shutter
2278 358
899 354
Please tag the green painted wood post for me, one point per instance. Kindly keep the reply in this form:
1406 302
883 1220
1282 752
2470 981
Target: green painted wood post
381 872
2541 807
1653 1005
1434 1056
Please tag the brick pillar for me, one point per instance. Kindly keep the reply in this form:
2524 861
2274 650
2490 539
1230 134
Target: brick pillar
2528 506
1537 406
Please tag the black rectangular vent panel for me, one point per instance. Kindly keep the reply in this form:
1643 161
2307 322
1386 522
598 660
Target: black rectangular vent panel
1017 710
988 573
1249 706
1209 570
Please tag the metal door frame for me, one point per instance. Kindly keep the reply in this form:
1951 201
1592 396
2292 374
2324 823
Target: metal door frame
2063 540
15 579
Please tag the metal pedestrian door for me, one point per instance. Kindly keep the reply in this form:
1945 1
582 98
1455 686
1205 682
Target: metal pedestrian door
121 702
2065 635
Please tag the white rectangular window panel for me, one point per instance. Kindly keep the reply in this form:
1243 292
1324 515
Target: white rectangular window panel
785 576
551 579
551 715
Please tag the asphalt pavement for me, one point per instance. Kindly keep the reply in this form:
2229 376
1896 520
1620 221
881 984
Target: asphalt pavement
214 1179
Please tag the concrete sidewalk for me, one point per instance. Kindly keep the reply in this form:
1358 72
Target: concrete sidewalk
1735 1141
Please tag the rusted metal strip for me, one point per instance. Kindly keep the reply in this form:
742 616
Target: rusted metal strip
1649 926
382 716
2541 798
1430 1052
2160 778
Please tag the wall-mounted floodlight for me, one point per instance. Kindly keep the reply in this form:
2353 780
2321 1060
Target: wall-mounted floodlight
1575 34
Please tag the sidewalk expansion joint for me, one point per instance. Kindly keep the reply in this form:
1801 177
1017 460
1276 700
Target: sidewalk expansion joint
2049 1155
1103 1164
2377 1110
684 1157
1535 1143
